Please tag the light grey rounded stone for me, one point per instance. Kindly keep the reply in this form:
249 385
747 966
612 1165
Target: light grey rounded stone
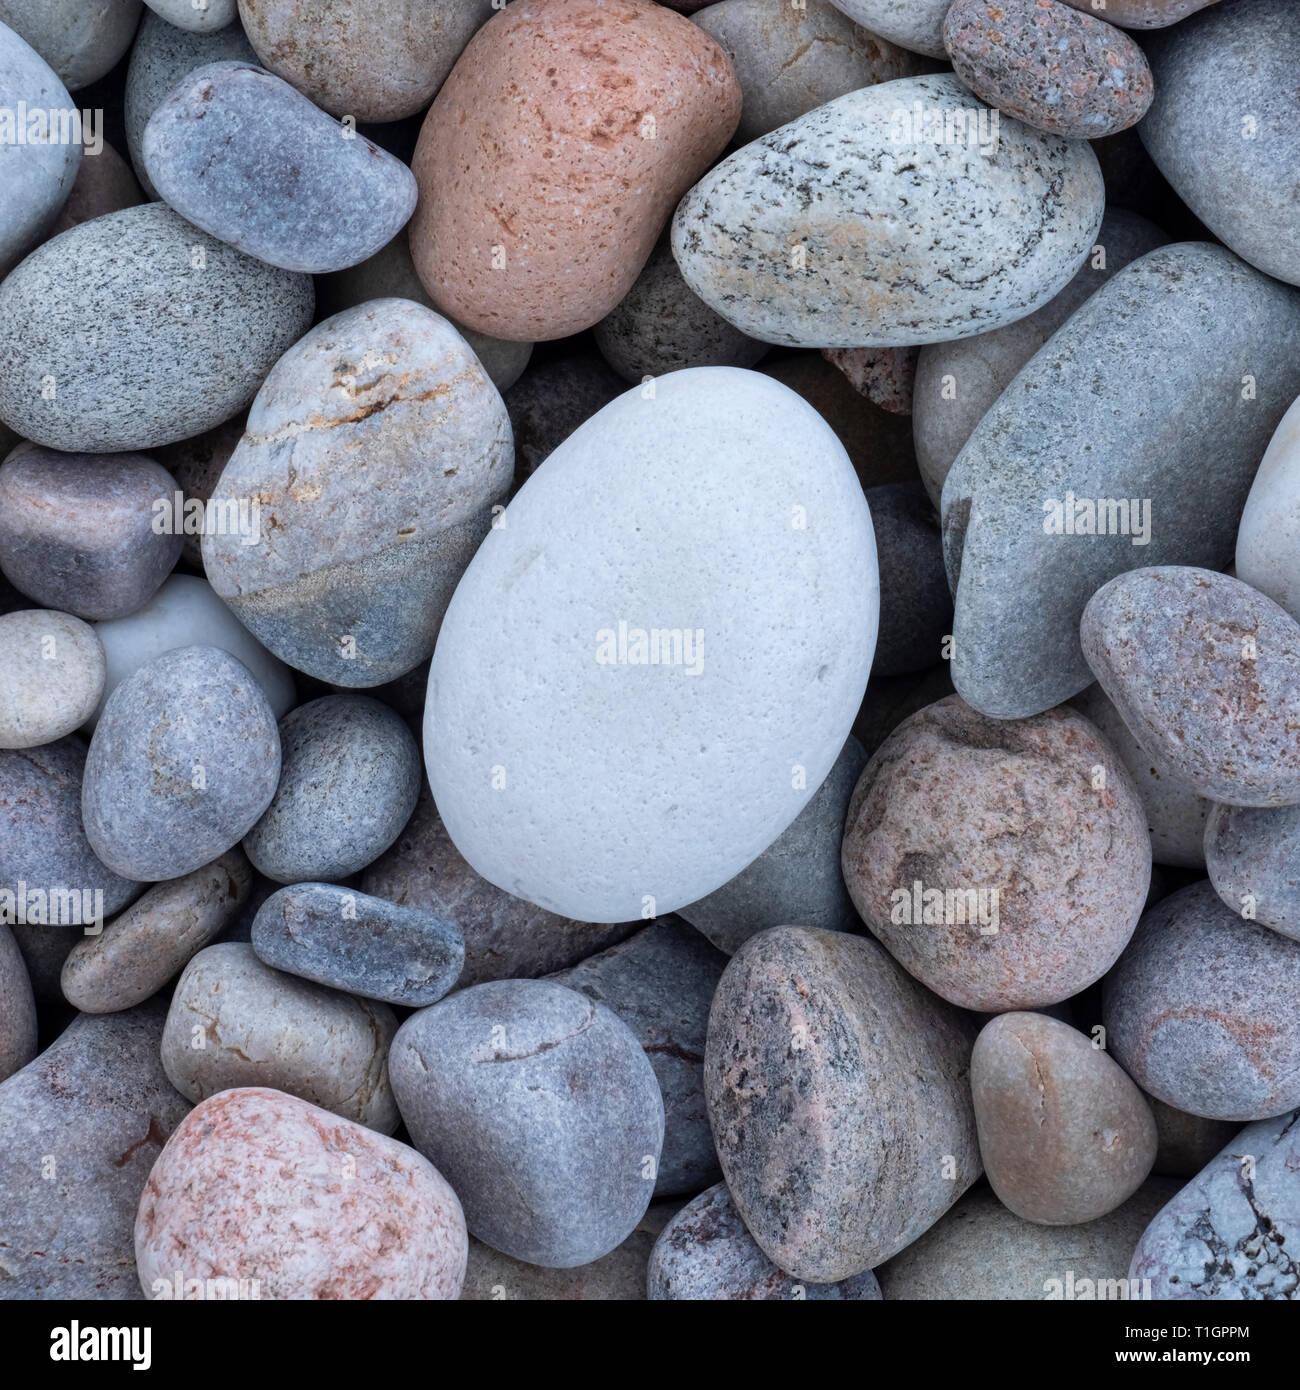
539 671
150 331
1138 397
1268 540
198 16
797 878
914 24
844 229
51 676
349 780
80 41
17 1008
236 1022
1252 854
241 154
183 761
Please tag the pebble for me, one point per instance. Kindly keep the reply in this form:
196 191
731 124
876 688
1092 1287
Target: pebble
196 464
1205 672
80 532
345 580
139 951
183 761
551 399
834 1158
839 229
885 375
51 676
144 347
494 235
198 16
351 941
705 1252
892 699
1032 833
1186 1143
1065 1136
916 25
1251 854
660 982
915 602
80 42
1164 422
242 155
17 1008
104 184
797 878
1268 540
236 1022
283 1200
1145 14
777 613
1203 1010
548 1170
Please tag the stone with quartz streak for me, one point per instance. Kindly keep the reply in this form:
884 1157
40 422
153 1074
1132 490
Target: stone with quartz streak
51 676
269 1192
912 24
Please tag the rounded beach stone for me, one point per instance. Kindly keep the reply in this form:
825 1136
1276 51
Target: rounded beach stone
241 154
1065 1136
627 105
80 42
236 1022
104 184
51 676
541 1109
788 238
915 602
199 16
1144 14
78 532
150 331
262 1191
351 941
545 669
196 464
183 761
834 1158
797 877
349 779
138 952
345 580
551 399
1268 540
1003 863
1252 855
17 1008
1049 66
1203 1010
90 1113
705 1252
913 24
1205 672
660 982
1186 1143
374 62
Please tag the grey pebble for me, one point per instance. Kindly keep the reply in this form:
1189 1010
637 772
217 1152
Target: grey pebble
551 399
51 676
17 1008
80 42
915 602
1252 854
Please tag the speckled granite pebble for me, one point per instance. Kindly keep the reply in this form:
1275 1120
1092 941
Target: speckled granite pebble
17 1008
913 24
1252 854
104 184
51 676
80 42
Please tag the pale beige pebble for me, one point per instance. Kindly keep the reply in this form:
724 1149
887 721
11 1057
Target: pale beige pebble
52 672
18 1009
140 950
283 1200
104 183
554 155
236 1022
1065 1136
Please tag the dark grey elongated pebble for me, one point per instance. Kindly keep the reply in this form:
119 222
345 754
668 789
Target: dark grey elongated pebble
136 330
80 1128
237 151
797 878
1252 854
351 941
183 761
660 982
17 1008
349 778
915 601
539 1107
705 1252
1186 1143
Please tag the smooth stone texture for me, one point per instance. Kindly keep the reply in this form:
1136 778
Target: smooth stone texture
196 464
77 531
1030 831
913 24
80 41
198 16
1186 1143
1203 1010
241 154
1231 1232
835 1156
551 399
540 238
705 1252
348 581
191 709
1138 396
660 982
351 941
236 1022
1252 855
541 1109
80 1127
143 346
262 1187
915 603
797 878
1145 14
1065 1136
104 184
17 1008
51 676
1268 539
138 952
880 223
1239 173
1205 672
